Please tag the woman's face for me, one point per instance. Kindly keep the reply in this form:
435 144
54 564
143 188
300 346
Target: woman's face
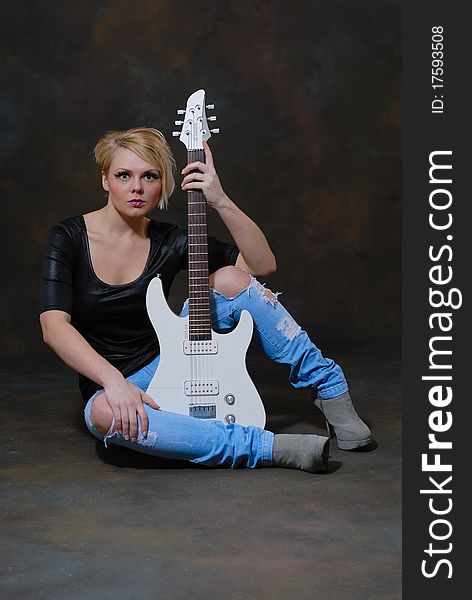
133 185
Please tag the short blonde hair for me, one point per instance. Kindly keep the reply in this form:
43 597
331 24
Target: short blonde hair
149 144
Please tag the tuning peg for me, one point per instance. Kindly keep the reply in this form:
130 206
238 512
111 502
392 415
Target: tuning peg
179 122
176 133
214 131
180 111
210 106
212 118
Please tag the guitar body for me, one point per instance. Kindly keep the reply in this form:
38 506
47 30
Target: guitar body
209 382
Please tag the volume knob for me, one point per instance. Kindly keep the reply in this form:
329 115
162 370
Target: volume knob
230 418
229 398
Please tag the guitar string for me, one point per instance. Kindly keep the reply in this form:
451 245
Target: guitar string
199 362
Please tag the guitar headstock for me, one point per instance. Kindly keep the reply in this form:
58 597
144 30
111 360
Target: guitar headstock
194 125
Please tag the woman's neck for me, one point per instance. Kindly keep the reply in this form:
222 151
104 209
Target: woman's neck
109 221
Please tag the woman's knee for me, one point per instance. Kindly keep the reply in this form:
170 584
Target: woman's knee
230 281
101 414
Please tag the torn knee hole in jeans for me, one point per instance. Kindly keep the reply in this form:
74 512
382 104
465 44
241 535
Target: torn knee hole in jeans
149 440
269 296
287 325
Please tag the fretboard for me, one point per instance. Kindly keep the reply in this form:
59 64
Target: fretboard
199 291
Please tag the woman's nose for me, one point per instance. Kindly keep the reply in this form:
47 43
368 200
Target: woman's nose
136 184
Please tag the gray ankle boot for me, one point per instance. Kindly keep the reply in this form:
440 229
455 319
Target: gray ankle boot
351 431
299 451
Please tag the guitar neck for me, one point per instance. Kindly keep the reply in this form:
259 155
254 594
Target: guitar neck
199 292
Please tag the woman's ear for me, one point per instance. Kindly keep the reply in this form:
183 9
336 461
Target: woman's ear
105 181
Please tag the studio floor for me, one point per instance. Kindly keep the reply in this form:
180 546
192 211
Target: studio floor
82 522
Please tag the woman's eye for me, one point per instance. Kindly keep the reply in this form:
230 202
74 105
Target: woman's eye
151 176
122 175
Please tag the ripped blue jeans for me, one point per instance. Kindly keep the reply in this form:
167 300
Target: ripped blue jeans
214 443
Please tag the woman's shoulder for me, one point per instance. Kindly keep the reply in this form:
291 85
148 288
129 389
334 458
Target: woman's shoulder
67 232
72 225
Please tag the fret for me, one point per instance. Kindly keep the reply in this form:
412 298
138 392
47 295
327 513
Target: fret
196 235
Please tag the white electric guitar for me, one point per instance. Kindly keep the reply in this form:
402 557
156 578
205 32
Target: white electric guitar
201 373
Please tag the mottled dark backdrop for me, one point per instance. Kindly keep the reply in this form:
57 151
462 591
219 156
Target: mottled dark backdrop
307 95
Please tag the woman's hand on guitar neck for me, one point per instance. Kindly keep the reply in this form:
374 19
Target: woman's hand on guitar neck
126 402
203 176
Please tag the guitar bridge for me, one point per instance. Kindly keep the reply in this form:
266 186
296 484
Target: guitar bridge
202 411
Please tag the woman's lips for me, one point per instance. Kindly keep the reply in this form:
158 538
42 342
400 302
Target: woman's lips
136 203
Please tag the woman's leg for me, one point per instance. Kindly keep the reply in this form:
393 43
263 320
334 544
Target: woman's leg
171 435
284 341
207 442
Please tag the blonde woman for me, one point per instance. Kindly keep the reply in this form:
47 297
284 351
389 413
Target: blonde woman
96 271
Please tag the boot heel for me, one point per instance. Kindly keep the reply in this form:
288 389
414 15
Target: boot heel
330 429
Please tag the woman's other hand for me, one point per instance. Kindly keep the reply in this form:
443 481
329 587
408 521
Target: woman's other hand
203 176
126 402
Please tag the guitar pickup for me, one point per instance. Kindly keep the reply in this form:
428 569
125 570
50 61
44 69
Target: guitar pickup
198 387
192 347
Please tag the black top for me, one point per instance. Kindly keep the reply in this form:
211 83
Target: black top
113 318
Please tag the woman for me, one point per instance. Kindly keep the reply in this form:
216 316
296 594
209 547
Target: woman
95 275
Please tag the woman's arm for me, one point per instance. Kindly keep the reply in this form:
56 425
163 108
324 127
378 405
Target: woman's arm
255 253
124 398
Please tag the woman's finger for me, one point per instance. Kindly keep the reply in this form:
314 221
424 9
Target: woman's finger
133 423
195 185
149 401
195 166
144 421
208 155
193 177
125 423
